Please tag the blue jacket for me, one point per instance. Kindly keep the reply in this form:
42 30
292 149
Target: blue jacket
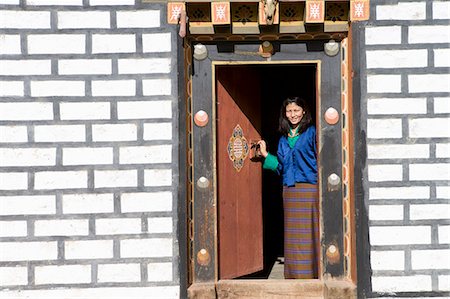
298 164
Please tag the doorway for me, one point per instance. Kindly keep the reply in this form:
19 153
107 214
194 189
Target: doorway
250 229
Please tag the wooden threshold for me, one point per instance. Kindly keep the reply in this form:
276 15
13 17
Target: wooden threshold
273 289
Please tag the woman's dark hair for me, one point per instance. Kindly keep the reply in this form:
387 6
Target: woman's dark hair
284 124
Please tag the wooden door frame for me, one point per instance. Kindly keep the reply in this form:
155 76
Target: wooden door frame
207 256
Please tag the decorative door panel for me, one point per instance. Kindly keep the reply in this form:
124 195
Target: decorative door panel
239 178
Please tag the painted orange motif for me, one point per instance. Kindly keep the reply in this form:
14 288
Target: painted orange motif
359 10
174 10
315 11
220 12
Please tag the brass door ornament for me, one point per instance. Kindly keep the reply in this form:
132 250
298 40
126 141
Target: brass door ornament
238 148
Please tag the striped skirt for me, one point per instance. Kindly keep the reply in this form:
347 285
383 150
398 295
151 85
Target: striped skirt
301 231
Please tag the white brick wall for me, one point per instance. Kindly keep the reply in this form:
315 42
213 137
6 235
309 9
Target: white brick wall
62 274
92 249
73 227
9 44
155 247
83 19
119 273
87 91
407 126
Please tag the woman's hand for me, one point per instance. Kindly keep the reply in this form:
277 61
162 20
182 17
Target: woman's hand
263 148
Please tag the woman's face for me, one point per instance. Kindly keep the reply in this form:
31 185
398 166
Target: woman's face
294 114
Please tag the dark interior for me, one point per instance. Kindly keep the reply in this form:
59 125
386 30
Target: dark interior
277 82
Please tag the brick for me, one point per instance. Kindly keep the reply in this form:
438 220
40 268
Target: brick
430 259
99 292
429 211
144 109
119 273
27 157
442 150
25 67
155 247
387 260
160 225
116 132
441 10
441 57
87 156
390 106
443 192
68 274
399 235
9 44
384 128
28 205
60 179
444 234
13 229
429 83
414 192
117 226
55 2
72 227
12 134
402 11
158 131
14 181
111 2
138 19
83 19
84 67
398 151
157 42
87 203
146 202
431 34
396 58
144 66
115 178
383 35
160 271
157 177
57 88
431 171
154 87
145 154
114 88
444 282
11 89
25 19
113 43
60 133
56 44
441 105
386 212
26 111
92 249
384 83
385 172
84 111
28 251
415 283
10 276
421 127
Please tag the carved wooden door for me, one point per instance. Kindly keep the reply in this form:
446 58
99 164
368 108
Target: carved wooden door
239 178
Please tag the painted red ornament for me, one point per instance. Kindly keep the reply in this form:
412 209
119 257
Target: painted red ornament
201 118
331 116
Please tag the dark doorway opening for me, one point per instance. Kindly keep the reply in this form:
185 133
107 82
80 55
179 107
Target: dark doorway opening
275 82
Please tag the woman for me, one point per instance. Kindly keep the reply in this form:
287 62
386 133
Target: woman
296 162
